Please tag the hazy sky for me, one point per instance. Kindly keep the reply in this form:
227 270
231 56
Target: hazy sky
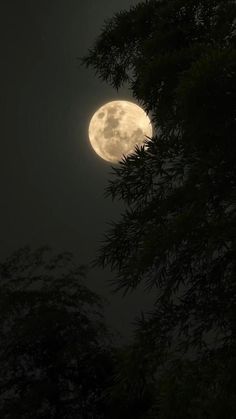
52 183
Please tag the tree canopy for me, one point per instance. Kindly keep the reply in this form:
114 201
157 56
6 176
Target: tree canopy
179 60
177 232
55 351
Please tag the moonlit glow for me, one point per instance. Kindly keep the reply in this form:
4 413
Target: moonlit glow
116 128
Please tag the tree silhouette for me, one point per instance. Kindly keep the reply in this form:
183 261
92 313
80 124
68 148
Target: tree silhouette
132 390
177 233
55 356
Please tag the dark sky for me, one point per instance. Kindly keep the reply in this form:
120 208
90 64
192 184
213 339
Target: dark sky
51 181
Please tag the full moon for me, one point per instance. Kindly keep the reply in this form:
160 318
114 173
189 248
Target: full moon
116 128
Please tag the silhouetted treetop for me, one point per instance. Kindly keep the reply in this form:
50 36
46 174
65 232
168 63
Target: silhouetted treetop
153 44
55 351
177 233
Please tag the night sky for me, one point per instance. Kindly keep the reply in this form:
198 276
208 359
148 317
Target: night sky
52 183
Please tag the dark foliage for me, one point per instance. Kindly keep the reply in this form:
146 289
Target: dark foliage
177 233
55 356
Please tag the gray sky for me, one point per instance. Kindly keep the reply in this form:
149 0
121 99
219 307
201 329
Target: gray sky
52 183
